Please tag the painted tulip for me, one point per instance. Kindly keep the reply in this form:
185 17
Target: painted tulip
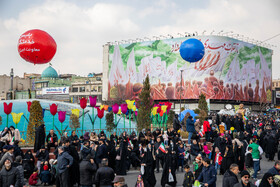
83 103
106 107
154 110
115 108
53 109
161 113
130 104
61 116
8 108
120 111
124 108
29 103
16 117
163 108
92 101
158 109
100 113
168 104
134 108
76 112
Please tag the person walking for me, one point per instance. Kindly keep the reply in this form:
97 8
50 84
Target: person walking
176 123
245 180
9 175
64 161
209 174
87 170
256 154
190 128
104 175
230 176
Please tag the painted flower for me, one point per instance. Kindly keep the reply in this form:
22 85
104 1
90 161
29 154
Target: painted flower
16 117
53 109
8 108
115 108
124 108
100 113
83 103
61 116
29 103
92 101
134 108
154 110
163 108
130 104
76 112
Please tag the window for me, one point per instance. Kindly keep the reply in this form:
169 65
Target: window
82 89
75 89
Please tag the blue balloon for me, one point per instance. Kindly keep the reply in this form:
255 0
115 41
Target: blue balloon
192 50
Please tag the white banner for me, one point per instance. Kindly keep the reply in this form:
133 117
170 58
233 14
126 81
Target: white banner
55 90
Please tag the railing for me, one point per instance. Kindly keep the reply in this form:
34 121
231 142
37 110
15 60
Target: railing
118 131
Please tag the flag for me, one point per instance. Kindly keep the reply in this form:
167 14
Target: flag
130 143
186 154
201 133
162 148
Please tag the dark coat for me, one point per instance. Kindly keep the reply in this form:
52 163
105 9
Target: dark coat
188 179
28 164
54 137
273 171
123 154
149 178
249 163
101 153
40 137
190 125
10 177
45 176
74 169
248 185
208 175
42 156
176 124
264 181
104 176
87 170
170 162
230 179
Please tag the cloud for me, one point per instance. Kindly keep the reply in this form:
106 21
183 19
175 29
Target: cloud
79 34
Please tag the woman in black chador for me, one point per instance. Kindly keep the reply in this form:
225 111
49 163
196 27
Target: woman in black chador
147 160
169 166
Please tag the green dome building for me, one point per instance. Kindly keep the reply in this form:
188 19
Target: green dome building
49 72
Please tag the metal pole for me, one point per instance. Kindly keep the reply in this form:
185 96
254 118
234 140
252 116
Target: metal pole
181 92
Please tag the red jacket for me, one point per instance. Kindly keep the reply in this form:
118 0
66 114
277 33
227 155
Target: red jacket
33 179
206 126
220 158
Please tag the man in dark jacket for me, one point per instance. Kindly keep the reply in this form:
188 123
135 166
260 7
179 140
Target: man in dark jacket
42 155
9 175
276 168
52 140
87 170
230 176
101 152
209 174
64 161
190 128
245 180
176 123
104 175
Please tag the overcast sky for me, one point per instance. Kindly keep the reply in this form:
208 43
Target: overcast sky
81 27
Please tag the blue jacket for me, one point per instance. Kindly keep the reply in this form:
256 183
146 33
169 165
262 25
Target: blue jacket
273 171
190 125
181 150
208 175
63 160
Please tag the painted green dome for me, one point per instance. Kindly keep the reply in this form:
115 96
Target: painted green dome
49 72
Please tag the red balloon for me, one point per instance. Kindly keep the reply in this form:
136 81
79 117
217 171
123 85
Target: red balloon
36 46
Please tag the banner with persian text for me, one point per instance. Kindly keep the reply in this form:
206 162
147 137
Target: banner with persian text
230 70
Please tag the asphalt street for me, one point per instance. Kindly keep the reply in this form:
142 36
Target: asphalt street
131 176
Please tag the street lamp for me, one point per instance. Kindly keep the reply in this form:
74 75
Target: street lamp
12 78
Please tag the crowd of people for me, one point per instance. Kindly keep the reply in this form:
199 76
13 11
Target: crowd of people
221 145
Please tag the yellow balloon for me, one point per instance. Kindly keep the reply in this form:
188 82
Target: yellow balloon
163 108
76 112
16 117
154 110
130 104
